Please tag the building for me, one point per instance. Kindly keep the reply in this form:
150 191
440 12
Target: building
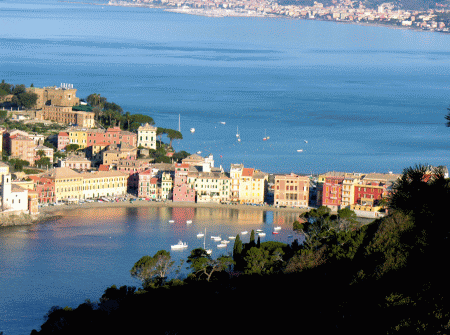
166 186
68 183
14 197
146 136
75 162
66 115
133 168
111 136
210 186
78 136
45 188
4 169
291 190
100 184
65 95
48 152
63 140
182 191
252 186
22 147
117 152
235 175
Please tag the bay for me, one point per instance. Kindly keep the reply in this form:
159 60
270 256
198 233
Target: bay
64 261
367 99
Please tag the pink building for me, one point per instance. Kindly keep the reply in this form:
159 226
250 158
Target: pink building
111 136
182 191
63 140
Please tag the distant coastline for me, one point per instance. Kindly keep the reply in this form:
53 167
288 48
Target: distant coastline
223 12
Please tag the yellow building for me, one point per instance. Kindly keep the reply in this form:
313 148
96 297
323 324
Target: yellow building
166 186
252 186
68 183
103 184
235 175
78 136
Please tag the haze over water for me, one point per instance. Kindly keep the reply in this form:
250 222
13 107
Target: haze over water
365 98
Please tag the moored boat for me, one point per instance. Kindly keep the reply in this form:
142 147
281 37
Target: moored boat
171 221
277 228
189 221
179 246
244 232
221 245
262 234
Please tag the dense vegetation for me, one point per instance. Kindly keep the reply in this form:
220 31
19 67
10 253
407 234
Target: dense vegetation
20 96
382 278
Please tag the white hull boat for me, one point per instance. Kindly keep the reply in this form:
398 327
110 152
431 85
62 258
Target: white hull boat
244 232
179 246
277 228
200 235
188 221
262 234
222 245
171 221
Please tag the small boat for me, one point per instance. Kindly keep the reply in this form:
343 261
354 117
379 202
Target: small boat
171 221
217 239
222 122
290 235
221 245
199 152
208 251
225 241
275 232
262 234
277 228
239 139
232 237
258 230
179 246
200 235
306 141
265 136
192 130
300 150
244 232
237 133
188 221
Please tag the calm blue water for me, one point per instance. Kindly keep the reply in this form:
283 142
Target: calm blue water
65 261
366 98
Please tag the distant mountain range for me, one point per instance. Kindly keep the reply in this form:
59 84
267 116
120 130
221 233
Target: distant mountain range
398 4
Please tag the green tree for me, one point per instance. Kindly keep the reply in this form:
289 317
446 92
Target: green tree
72 147
237 248
256 261
202 264
252 239
173 135
153 271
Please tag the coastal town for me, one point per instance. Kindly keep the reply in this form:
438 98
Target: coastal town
344 11
86 163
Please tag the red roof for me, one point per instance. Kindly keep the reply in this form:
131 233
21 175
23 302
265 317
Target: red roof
247 172
103 167
62 133
154 180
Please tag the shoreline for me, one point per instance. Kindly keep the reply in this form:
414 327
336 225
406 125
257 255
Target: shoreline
221 13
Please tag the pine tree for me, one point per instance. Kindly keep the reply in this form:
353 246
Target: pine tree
252 239
237 248
258 243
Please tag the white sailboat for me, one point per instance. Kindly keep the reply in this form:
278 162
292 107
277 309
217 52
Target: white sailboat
208 251
265 135
237 132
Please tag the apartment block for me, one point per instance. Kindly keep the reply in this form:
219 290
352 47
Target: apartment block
146 136
291 190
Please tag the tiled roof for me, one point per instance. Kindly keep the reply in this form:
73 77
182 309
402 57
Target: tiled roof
61 172
103 174
247 172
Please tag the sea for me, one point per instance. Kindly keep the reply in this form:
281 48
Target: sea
328 96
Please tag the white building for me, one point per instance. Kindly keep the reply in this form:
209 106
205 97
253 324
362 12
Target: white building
147 136
14 197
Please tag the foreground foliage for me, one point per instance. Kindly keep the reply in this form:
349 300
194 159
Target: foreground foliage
386 277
